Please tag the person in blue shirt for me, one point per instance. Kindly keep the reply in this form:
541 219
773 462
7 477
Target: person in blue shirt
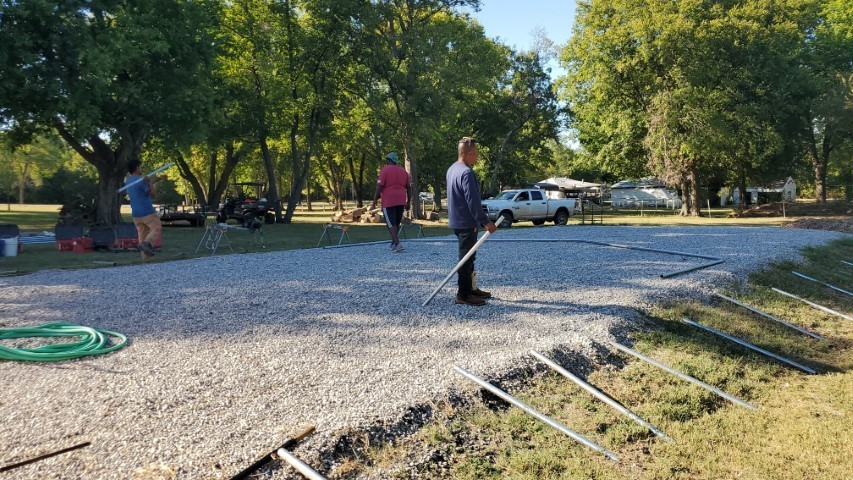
145 217
466 215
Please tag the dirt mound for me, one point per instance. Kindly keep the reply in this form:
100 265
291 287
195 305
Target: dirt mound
831 208
836 224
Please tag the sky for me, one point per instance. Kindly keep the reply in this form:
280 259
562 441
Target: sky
514 21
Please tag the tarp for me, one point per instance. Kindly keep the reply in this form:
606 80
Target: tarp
570 184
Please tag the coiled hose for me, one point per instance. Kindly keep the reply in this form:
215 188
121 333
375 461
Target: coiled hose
92 341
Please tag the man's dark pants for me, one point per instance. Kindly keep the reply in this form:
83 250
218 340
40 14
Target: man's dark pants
467 238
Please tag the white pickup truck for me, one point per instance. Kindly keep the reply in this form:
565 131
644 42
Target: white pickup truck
529 204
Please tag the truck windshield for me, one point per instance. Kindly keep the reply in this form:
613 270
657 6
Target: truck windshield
507 195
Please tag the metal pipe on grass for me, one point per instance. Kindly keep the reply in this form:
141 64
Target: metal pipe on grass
462 262
299 465
600 395
531 411
682 376
768 316
750 346
822 283
819 307
847 263
155 172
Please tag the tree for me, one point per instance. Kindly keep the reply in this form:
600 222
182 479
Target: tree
29 164
107 76
829 58
417 49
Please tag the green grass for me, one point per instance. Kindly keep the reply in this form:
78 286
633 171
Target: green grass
180 242
801 429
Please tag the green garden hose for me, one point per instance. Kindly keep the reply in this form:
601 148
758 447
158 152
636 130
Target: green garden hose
92 342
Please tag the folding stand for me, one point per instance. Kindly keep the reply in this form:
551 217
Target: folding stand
402 230
214 234
326 234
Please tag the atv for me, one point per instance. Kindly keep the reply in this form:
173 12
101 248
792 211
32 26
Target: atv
248 210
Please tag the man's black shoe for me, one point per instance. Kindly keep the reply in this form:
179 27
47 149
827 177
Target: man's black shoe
470 300
146 248
481 293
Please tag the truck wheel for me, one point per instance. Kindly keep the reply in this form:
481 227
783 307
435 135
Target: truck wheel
561 218
538 222
507 219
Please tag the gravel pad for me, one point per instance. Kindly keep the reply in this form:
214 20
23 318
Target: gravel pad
229 355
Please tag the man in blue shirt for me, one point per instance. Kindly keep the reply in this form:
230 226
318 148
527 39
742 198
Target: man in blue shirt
145 217
465 214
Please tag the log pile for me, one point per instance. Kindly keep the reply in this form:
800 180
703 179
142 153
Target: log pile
362 215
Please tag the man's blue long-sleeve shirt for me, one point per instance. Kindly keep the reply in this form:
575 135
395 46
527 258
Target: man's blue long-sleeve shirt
463 198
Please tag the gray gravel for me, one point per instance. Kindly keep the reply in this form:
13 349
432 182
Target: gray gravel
230 354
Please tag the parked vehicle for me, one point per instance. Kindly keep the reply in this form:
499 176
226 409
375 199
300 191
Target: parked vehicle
248 210
175 213
533 205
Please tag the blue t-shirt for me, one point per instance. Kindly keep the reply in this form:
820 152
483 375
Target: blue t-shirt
140 198
464 209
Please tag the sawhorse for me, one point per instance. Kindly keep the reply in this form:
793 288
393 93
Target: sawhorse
214 234
326 234
402 230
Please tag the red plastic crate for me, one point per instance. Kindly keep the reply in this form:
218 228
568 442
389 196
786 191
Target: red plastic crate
82 245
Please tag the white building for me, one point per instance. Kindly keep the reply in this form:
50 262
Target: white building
782 190
646 192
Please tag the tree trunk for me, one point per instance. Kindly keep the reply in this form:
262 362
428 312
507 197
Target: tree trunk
187 174
412 167
820 160
685 196
436 192
693 179
107 210
272 191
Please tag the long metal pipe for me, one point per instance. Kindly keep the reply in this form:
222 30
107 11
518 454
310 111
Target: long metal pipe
822 283
42 457
600 395
290 443
690 269
847 263
462 262
819 307
531 411
682 376
155 172
299 465
768 316
750 346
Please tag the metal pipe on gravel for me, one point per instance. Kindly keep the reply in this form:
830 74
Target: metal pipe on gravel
682 376
768 316
690 269
42 457
345 245
299 465
819 307
462 262
822 283
290 443
600 395
531 411
750 346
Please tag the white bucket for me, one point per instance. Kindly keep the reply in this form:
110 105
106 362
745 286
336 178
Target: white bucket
10 246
